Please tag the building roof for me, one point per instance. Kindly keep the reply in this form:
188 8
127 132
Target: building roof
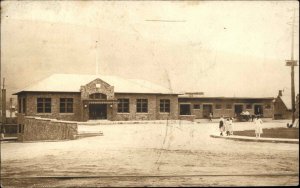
287 99
205 96
72 83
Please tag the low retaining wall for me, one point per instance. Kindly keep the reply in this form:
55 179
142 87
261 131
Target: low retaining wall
35 128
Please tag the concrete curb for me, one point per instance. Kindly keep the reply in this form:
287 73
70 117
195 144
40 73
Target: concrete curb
9 139
253 139
107 122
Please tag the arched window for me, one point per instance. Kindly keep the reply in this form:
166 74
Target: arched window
98 96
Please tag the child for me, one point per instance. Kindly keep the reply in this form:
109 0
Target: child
221 126
231 126
258 129
227 127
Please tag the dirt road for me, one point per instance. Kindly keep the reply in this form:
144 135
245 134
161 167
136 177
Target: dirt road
150 155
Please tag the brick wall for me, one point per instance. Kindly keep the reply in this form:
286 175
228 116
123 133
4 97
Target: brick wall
35 128
91 88
280 110
31 105
223 102
153 107
81 110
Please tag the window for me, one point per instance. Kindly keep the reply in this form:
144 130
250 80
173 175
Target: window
97 96
20 105
228 106
142 105
185 109
66 105
164 105
24 106
123 105
249 106
218 106
44 105
268 106
196 106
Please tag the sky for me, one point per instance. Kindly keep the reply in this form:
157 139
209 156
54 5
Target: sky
221 48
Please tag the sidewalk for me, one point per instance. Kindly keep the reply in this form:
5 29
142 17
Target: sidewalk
253 139
9 139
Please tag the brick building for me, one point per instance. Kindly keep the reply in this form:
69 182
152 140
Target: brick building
86 97
200 105
283 105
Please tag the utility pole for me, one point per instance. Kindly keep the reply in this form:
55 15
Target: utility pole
292 63
0 94
3 103
97 65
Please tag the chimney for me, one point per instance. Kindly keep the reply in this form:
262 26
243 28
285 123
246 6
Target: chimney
280 93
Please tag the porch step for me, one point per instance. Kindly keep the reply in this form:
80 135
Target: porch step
89 134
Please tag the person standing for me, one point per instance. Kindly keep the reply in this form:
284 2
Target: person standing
227 127
258 127
221 126
231 126
210 116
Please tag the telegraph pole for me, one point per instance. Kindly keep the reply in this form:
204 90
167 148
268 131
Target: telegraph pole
97 65
292 63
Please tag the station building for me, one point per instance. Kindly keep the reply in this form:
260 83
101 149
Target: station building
76 97
89 97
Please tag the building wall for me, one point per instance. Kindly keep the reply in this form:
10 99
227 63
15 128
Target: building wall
280 110
153 107
34 128
267 112
80 107
91 88
31 105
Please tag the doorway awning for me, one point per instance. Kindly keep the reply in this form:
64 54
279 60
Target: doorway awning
101 101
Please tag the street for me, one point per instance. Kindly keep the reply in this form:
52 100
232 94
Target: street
177 154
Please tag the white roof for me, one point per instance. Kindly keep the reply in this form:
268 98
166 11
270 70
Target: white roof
223 96
72 83
287 99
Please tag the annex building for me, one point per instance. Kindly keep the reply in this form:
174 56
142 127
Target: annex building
201 105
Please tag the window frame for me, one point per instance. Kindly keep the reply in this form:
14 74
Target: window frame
268 106
24 105
141 105
66 105
44 104
218 106
98 96
164 105
123 104
196 106
249 106
227 106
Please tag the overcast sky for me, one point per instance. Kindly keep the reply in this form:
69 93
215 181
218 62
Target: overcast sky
220 48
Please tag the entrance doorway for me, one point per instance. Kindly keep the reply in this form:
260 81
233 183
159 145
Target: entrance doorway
238 109
258 109
97 111
185 109
207 109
